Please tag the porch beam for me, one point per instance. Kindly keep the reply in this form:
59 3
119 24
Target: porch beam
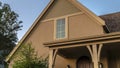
77 44
100 39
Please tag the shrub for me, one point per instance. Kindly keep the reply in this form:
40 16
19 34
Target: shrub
28 59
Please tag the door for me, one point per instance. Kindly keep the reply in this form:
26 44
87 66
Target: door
84 62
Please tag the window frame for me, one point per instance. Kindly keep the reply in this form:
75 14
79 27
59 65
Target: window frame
66 28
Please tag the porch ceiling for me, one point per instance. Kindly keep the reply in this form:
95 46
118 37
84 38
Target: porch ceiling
83 41
111 47
75 52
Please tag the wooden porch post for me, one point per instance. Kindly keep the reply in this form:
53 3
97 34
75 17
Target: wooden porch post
95 51
50 58
95 56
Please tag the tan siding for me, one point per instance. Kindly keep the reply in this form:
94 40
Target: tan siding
60 8
82 25
43 32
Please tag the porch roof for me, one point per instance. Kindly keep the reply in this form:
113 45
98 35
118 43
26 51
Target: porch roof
83 41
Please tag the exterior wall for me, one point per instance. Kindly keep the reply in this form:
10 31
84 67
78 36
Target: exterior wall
78 26
44 32
81 25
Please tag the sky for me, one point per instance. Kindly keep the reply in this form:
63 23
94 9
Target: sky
29 10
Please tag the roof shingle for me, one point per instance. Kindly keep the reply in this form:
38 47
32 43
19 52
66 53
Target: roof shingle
112 21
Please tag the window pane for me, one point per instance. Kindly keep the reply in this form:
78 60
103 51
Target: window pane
60 28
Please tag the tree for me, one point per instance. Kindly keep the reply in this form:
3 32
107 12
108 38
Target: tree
9 25
27 58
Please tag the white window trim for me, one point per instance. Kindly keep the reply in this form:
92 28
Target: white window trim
66 27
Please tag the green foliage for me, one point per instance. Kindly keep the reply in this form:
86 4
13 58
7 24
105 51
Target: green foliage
27 58
9 25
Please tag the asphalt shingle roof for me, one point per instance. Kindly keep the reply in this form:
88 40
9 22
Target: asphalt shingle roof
112 21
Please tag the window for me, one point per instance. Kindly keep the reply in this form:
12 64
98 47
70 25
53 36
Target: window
60 32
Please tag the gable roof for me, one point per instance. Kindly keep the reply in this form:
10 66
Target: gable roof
74 2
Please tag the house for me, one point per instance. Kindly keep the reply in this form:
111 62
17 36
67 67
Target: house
73 37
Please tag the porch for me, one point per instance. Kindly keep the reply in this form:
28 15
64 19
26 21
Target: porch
90 52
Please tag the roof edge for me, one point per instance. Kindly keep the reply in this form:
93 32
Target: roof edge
88 12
